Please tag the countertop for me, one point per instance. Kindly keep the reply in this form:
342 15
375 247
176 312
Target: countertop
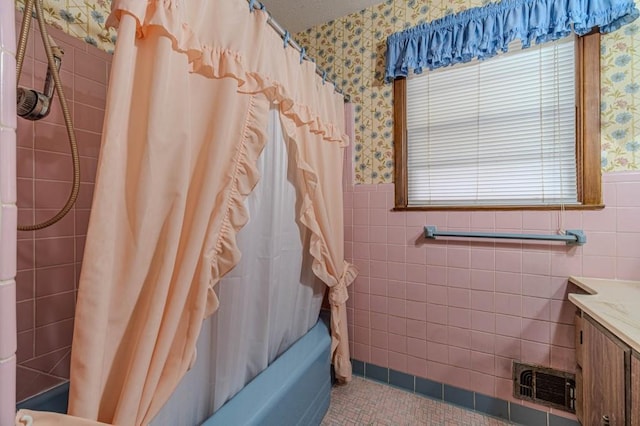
615 304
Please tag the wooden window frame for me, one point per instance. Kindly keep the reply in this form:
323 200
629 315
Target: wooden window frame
588 155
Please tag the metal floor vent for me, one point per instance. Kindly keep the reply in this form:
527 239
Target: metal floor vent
545 386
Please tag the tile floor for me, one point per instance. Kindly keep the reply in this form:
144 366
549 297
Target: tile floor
365 402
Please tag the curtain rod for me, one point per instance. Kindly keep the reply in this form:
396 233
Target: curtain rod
253 4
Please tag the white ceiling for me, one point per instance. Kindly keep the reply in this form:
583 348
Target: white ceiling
299 15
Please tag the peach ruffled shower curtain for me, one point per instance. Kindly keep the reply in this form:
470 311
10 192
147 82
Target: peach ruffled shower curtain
191 86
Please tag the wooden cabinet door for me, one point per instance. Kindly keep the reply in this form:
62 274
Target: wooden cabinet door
603 377
635 390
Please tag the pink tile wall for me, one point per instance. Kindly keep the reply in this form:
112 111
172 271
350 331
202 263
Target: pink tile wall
49 260
8 213
459 311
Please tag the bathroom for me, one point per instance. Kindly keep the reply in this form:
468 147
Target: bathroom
451 314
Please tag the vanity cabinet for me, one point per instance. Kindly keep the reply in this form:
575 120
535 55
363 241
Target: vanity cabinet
605 367
635 390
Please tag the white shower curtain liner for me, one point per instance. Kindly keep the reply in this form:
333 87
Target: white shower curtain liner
271 298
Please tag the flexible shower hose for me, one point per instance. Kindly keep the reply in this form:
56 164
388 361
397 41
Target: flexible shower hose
21 50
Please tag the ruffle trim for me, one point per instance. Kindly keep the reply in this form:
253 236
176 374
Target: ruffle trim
217 62
482 32
245 177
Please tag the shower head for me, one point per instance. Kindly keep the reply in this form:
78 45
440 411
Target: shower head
34 105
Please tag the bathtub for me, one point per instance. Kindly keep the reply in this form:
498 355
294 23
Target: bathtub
294 390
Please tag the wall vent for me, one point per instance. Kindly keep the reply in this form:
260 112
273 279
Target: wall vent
545 386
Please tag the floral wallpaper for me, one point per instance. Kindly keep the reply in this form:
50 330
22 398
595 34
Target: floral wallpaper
352 50
83 19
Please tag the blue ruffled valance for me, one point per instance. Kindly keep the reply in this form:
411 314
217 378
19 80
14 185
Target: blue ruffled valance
483 31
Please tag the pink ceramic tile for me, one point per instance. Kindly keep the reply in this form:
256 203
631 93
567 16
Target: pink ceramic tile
436 255
397 325
378 321
563 335
7 389
459 277
416 347
397 307
483 300
483 221
459 297
396 218
627 194
436 275
627 219
360 234
396 235
536 263
459 357
601 244
7 88
482 362
416 274
8 169
507 282
561 311
599 220
54 251
536 285
536 353
627 268
397 361
417 366
459 337
536 308
437 314
609 194
483 342
90 67
483 280
378 286
378 304
599 266
9 218
360 250
398 343
508 347
380 357
361 301
563 358
535 330
8 343
458 257
361 352
396 271
360 217
378 200
361 200
7 27
483 321
396 289
378 217
416 255
416 292
458 219
437 333
565 265
378 270
437 218
482 383
458 317
483 259
416 329
508 261
437 294
379 339
416 310
362 335
508 325
508 220
508 304
396 253
536 220
360 318
627 245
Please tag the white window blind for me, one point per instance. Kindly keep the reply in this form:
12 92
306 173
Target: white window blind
497 132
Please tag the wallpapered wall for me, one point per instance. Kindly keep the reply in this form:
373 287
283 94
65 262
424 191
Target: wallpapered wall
81 19
352 50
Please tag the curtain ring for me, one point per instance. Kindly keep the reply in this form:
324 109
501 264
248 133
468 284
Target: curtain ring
303 52
286 38
324 77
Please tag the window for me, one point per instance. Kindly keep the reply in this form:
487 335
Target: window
474 136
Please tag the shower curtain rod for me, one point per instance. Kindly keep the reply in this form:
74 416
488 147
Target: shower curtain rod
283 33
